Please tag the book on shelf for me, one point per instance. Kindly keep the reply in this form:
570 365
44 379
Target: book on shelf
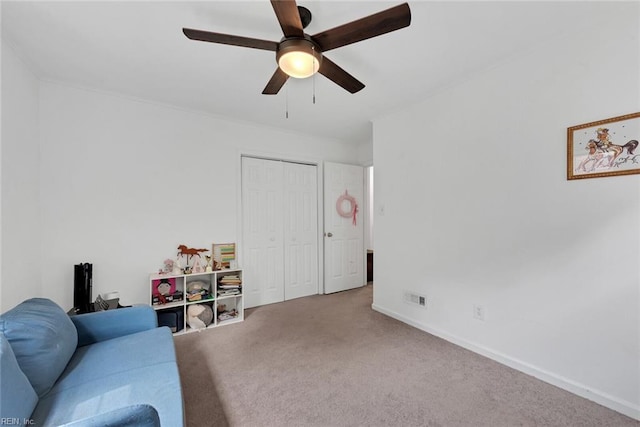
228 292
230 280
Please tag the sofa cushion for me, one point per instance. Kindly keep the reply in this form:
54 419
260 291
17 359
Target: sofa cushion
126 353
137 369
17 397
157 386
43 339
129 416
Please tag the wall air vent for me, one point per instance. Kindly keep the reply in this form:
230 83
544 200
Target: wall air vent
415 299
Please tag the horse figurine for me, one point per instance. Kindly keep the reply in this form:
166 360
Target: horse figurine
189 252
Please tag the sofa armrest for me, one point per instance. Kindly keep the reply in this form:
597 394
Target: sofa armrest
105 325
129 416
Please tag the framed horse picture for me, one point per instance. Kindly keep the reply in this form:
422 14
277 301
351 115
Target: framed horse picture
604 148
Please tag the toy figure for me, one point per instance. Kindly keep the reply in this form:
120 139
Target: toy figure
168 266
177 267
189 252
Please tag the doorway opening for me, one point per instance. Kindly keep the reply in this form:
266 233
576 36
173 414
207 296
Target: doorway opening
368 222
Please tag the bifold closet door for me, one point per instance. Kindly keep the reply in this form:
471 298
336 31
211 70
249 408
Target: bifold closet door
300 230
280 234
262 231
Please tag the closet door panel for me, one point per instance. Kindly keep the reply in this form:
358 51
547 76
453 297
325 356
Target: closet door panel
300 230
262 204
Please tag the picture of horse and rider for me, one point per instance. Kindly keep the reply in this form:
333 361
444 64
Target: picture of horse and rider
605 149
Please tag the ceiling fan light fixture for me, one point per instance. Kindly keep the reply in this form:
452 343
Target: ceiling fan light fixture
299 58
300 55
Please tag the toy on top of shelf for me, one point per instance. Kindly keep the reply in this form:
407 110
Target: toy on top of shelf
177 267
197 267
168 266
189 252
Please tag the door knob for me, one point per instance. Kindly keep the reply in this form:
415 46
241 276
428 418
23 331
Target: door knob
329 234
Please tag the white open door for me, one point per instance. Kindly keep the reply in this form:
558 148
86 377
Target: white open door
343 227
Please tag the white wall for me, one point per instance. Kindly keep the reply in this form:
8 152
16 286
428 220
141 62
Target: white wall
365 153
20 212
478 211
125 182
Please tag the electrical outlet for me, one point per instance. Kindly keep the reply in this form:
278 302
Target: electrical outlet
478 312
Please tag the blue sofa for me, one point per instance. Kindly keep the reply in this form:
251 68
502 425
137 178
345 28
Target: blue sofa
109 368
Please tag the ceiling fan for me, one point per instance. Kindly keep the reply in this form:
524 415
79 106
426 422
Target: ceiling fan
301 55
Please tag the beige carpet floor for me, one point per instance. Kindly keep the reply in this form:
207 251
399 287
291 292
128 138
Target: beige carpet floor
330 360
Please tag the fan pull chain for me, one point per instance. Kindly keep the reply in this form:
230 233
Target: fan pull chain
313 48
286 115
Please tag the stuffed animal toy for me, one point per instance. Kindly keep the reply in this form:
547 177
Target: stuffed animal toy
168 266
221 309
177 267
199 316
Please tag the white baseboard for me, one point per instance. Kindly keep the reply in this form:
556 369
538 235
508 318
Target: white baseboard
627 408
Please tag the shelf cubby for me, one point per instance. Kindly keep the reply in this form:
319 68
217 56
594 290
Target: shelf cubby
220 289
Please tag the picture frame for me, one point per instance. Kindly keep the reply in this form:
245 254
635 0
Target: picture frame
223 254
604 148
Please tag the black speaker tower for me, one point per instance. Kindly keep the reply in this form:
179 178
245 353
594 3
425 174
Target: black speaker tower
82 284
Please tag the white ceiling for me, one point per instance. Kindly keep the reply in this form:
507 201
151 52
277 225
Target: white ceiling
138 49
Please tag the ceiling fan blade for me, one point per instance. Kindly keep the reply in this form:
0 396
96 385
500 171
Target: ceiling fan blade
207 36
278 80
371 26
288 17
333 72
